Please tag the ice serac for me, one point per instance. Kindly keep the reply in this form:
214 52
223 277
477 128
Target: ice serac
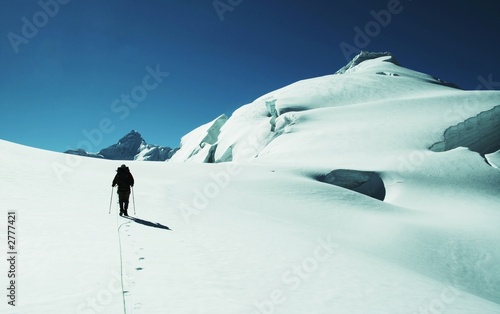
363 56
130 147
480 133
200 144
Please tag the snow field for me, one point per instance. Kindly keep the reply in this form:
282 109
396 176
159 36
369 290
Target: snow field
258 246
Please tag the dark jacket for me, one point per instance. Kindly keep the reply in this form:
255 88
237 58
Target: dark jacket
123 179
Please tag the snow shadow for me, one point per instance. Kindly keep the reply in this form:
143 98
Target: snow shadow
364 182
148 223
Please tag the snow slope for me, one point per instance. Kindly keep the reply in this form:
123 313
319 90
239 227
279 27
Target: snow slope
260 238
280 226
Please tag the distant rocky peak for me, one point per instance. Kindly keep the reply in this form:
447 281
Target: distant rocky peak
126 148
130 147
133 139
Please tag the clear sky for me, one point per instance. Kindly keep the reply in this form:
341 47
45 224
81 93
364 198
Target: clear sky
85 73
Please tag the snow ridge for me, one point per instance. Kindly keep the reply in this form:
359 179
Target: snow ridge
253 130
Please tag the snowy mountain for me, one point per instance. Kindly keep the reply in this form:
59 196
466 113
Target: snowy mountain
373 190
130 147
318 113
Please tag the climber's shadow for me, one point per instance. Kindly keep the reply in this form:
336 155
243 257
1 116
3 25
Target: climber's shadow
148 223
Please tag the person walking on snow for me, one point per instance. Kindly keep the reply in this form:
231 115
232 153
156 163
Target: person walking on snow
124 180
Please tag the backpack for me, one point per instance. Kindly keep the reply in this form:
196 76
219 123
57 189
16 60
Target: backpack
122 177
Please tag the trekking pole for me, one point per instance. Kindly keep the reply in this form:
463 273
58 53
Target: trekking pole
133 198
111 199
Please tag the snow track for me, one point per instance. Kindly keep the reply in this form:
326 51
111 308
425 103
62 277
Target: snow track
121 266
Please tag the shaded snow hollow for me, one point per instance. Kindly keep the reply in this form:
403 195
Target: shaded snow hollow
367 183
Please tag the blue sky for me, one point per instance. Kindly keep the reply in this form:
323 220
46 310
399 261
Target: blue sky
68 66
